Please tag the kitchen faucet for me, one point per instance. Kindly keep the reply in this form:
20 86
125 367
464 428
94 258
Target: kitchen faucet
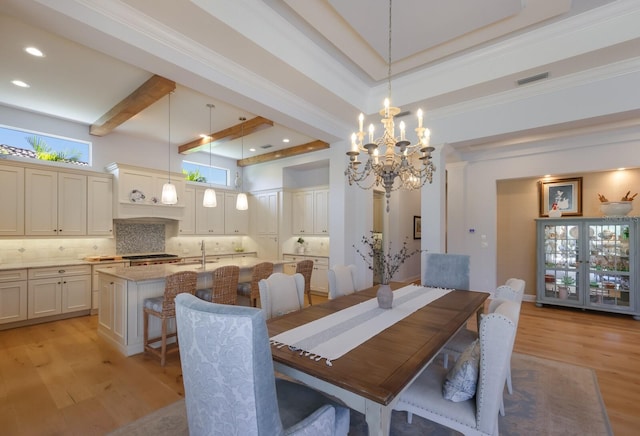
204 254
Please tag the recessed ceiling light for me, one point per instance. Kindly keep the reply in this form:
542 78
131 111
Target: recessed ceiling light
621 169
202 135
34 52
252 149
285 140
20 83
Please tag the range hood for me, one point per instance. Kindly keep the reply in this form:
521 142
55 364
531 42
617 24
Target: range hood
137 192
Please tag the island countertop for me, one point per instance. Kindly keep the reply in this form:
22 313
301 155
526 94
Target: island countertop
160 272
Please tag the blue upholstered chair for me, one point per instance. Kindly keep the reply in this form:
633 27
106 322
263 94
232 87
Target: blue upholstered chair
229 381
342 280
444 270
477 415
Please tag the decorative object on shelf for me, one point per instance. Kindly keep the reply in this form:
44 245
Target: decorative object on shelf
209 199
137 196
300 246
169 194
241 201
417 227
400 157
386 264
616 208
566 194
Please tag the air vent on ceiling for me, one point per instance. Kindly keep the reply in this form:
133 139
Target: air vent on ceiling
533 78
266 146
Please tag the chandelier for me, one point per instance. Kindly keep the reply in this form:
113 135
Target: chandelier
392 162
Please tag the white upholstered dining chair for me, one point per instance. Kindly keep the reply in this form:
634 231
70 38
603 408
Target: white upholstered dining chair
477 415
281 293
229 382
342 280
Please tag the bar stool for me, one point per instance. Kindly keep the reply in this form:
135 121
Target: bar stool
224 288
305 267
164 308
261 271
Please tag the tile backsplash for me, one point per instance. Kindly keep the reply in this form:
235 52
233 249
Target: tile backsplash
139 238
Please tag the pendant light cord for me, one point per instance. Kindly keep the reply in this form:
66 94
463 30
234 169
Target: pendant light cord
211 106
169 147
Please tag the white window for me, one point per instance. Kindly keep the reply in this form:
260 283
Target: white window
42 146
196 172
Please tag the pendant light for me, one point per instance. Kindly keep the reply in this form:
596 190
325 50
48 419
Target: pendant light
241 201
169 195
209 199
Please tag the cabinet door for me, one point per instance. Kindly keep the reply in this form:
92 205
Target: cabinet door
13 301
105 309
72 204
561 259
129 180
188 221
321 212
12 201
119 309
236 222
99 206
76 293
302 209
209 220
266 215
610 265
319 279
41 202
44 297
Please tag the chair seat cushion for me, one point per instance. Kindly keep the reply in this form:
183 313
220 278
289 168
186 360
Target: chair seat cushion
204 294
154 303
296 402
424 397
460 341
244 288
462 380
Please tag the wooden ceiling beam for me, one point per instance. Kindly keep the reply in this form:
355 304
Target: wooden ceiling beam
233 132
287 152
148 93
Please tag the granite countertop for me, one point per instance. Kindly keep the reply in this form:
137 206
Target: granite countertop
306 254
68 262
159 272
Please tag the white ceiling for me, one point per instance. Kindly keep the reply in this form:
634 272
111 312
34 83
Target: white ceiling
309 65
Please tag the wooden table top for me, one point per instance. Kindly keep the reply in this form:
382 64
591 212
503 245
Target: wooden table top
381 367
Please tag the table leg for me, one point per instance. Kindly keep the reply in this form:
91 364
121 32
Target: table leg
378 418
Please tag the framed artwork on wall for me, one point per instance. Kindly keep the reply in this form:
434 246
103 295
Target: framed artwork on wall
417 227
564 195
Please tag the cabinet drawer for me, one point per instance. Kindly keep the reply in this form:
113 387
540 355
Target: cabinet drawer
13 275
69 270
320 261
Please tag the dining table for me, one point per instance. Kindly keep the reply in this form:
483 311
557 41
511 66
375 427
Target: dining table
370 377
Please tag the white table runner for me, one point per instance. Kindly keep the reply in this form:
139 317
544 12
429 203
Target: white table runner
335 335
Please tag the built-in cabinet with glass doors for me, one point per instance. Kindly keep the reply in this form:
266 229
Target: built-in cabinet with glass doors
589 263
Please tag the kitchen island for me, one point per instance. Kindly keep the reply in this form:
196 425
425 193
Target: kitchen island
124 289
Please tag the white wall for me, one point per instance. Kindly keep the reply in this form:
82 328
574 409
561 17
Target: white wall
475 201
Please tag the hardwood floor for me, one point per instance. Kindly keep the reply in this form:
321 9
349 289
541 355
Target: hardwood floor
60 378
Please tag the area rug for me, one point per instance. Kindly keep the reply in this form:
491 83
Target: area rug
549 398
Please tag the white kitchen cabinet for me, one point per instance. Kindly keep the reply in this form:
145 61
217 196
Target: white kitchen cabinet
99 206
266 213
12 201
187 224
13 295
209 220
53 291
236 222
113 308
55 203
321 212
310 212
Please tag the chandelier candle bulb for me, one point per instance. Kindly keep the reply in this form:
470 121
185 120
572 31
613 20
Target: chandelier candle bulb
402 137
361 120
371 129
419 118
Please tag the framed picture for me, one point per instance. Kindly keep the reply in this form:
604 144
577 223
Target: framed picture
417 227
564 194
